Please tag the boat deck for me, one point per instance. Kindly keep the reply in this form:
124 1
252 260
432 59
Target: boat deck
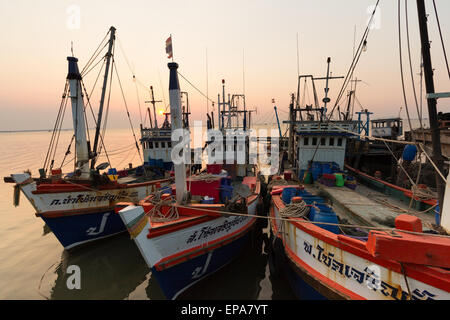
367 207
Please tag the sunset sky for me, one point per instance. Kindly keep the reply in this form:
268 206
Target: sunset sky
252 37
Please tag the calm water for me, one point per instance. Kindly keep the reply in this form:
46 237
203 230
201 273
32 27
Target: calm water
33 264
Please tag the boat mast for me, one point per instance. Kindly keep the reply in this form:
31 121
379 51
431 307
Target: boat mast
431 101
79 125
177 123
112 31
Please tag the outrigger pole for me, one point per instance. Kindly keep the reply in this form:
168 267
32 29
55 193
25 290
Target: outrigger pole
102 99
431 101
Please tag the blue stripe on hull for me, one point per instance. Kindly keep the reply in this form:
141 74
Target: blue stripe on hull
176 279
78 229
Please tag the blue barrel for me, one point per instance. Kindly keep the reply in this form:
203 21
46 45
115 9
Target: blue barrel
324 207
287 194
112 171
326 167
312 213
168 166
226 181
409 153
328 217
334 167
151 162
437 216
311 199
316 170
226 193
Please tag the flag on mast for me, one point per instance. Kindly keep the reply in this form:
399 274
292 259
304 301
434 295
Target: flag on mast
169 47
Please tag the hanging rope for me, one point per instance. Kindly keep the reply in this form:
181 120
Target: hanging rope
126 107
442 39
295 210
55 128
410 64
401 63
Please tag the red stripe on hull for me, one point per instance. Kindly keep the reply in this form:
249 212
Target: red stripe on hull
436 277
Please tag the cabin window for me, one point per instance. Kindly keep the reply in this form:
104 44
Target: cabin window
305 141
331 143
339 142
314 141
150 145
169 144
322 141
163 144
156 145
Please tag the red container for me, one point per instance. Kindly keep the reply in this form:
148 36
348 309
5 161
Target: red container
287 175
250 182
205 188
56 171
214 168
329 176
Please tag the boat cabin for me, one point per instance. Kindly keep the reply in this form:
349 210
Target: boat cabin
390 128
323 142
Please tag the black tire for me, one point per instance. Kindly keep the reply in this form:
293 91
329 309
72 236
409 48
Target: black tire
276 258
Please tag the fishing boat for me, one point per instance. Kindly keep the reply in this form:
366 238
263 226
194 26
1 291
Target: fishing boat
392 166
203 223
78 206
327 257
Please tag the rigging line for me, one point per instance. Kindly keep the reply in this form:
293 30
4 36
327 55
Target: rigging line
68 151
93 67
355 59
126 107
442 40
64 97
410 63
134 76
195 87
207 83
86 71
59 132
108 102
93 116
138 99
401 64
89 61
162 90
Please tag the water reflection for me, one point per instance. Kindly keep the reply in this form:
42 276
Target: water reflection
241 279
110 269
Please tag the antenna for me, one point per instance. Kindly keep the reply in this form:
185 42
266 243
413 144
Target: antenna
207 100
243 71
298 63
71 47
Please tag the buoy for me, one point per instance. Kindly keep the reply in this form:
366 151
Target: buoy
409 153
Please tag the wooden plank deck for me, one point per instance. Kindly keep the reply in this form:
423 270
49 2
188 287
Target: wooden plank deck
367 211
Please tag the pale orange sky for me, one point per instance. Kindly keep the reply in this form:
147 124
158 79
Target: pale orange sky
36 41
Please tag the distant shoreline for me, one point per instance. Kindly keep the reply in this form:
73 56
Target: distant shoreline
31 130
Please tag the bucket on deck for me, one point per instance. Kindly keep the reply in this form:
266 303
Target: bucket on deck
339 180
